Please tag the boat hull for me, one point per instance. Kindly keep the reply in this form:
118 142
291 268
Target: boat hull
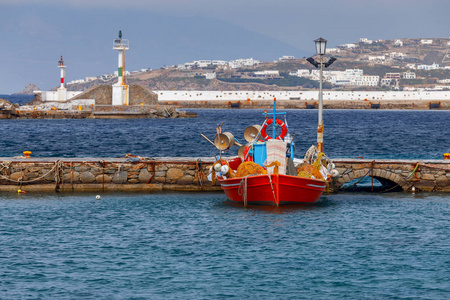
272 190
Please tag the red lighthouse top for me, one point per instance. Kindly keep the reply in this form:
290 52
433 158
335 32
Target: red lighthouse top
61 62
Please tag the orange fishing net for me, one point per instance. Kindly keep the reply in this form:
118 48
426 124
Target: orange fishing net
249 168
307 171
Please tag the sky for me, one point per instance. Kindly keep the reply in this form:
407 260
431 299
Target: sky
34 33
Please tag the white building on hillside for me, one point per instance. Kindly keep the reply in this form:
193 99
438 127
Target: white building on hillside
202 63
434 66
352 77
365 41
286 57
301 73
267 74
333 50
426 42
243 62
398 55
398 43
219 62
409 75
376 57
210 76
348 46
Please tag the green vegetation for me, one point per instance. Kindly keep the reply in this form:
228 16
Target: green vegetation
440 74
417 81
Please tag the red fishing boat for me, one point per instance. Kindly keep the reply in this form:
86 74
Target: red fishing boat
266 172
272 189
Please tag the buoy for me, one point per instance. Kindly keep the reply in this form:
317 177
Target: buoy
217 167
446 156
413 189
224 169
98 197
334 173
27 154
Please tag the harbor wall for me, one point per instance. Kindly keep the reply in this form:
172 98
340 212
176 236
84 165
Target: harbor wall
306 99
313 104
190 174
302 95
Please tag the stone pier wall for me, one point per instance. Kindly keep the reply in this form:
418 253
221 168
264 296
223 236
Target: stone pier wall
190 174
105 174
423 175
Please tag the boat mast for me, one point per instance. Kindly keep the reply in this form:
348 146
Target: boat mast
274 116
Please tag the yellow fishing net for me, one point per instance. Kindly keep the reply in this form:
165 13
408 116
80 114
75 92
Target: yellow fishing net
307 171
249 168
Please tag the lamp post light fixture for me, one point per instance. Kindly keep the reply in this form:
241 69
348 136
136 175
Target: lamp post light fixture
321 46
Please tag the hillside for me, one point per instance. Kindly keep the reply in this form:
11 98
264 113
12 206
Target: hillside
376 58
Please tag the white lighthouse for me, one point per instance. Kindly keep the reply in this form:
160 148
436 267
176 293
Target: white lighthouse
120 92
62 90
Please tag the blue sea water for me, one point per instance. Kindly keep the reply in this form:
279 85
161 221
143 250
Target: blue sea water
20 99
199 246
402 134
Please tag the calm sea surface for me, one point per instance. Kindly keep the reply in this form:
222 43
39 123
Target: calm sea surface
199 246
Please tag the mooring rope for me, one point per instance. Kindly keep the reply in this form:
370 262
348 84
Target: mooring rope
32 180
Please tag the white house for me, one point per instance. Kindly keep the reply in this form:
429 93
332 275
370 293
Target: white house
398 43
267 74
409 75
426 42
434 66
376 57
243 62
398 55
219 62
333 50
348 46
300 73
286 57
202 63
210 76
365 41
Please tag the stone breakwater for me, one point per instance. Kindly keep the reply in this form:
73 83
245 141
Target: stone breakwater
98 112
105 174
190 174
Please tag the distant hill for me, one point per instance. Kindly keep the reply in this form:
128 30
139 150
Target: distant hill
28 90
170 78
